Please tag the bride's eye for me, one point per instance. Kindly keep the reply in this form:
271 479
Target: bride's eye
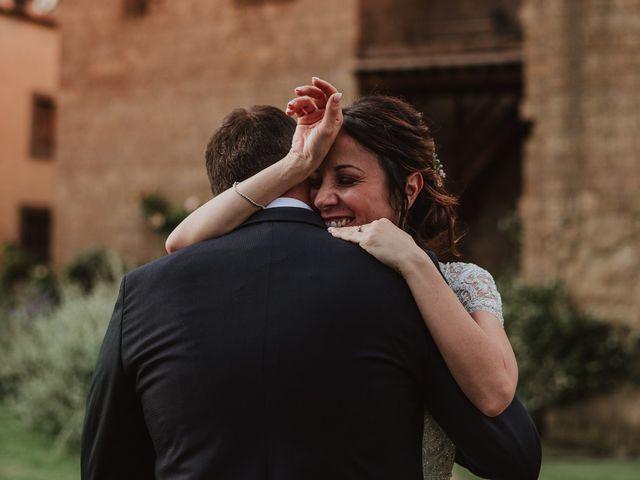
346 181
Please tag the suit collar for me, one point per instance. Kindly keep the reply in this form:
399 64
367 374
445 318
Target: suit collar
286 214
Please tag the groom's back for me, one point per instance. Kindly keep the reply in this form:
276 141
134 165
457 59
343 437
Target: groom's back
276 352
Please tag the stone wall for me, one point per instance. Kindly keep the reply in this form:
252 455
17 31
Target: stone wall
141 96
420 26
581 199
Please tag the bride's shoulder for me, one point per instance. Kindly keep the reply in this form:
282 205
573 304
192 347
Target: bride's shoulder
464 271
474 286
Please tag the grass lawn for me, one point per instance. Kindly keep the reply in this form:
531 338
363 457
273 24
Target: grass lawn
28 456
25 455
563 465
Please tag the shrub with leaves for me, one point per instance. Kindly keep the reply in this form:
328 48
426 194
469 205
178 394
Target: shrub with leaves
23 279
93 266
563 354
46 370
161 216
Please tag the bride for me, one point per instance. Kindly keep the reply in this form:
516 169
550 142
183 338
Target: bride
381 186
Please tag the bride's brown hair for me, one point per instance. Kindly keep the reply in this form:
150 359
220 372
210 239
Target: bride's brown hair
397 135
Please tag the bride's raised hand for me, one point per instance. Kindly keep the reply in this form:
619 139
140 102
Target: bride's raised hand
385 241
310 104
319 117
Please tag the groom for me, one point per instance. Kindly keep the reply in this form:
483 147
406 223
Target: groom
279 352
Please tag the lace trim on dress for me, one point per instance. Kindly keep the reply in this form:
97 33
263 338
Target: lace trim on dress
474 287
438 452
477 291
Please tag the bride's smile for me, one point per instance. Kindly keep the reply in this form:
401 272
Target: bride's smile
350 188
338 222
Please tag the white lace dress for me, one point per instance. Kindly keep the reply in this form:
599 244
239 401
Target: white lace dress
477 291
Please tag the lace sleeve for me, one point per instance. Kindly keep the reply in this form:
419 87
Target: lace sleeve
474 287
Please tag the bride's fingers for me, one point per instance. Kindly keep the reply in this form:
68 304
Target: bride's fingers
325 86
302 106
319 97
351 234
332 120
291 111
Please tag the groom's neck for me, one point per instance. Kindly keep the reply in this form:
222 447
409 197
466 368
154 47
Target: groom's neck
299 192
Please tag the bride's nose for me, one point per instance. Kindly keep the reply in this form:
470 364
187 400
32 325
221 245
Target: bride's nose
326 197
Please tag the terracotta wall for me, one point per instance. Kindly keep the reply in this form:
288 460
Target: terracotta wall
29 59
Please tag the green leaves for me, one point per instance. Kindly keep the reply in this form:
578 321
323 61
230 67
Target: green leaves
563 354
160 215
46 364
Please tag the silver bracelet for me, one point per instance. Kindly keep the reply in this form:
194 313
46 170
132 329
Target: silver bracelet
257 205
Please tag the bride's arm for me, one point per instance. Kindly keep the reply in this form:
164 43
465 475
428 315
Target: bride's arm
319 119
474 346
226 211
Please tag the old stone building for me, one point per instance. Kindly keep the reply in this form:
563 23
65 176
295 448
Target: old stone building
534 105
139 105
144 83
581 182
581 170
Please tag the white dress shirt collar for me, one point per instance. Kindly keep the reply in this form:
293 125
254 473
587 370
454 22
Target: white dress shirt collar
288 202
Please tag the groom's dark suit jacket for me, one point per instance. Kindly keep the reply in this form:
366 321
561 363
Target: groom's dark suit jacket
278 352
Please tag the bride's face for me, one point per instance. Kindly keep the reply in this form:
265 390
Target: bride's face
350 188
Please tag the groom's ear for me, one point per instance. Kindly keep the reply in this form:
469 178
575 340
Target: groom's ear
412 187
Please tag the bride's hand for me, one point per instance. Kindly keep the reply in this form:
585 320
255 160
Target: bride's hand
385 241
310 102
319 118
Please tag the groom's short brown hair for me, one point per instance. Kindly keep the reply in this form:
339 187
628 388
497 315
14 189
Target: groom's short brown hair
249 140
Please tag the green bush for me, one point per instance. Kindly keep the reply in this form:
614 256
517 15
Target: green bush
24 280
161 216
16 266
93 266
47 368
563 354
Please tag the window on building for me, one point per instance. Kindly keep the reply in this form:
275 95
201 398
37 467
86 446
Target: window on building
136 8
43 119
35 232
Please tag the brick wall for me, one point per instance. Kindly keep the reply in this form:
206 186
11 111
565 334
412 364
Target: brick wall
141 95
581 200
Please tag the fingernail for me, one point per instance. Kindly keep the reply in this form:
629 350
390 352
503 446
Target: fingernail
314 78
330 229
337 97
297 89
